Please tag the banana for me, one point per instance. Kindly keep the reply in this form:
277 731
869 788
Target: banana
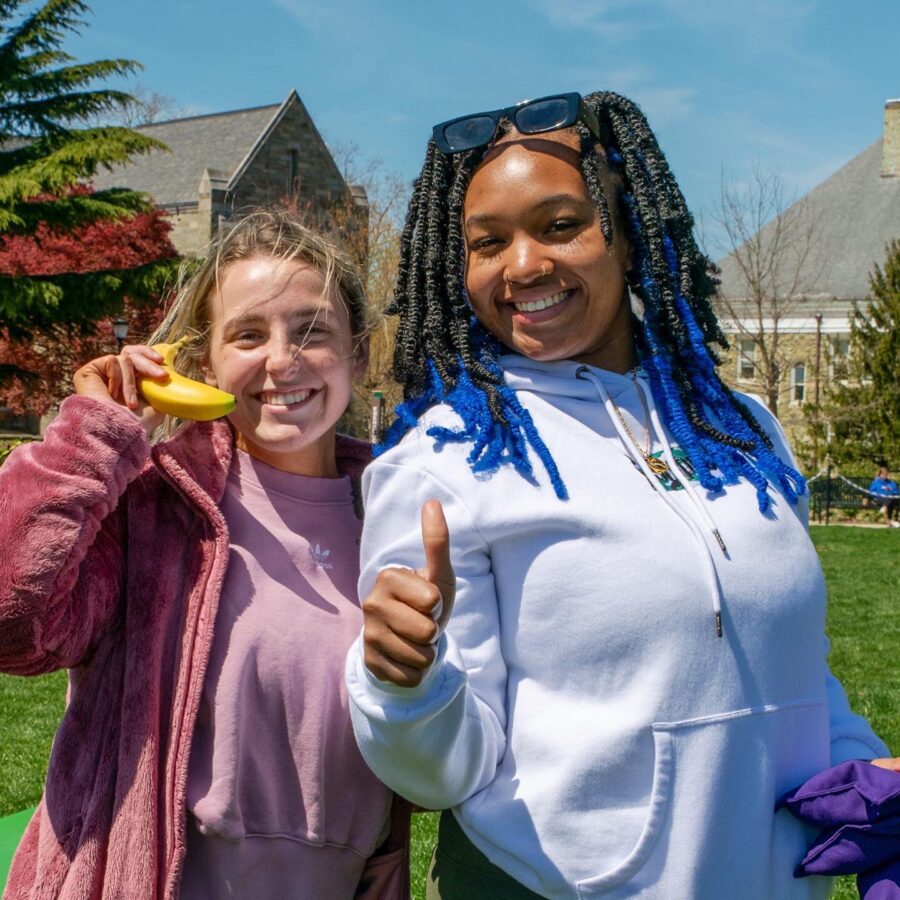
183 397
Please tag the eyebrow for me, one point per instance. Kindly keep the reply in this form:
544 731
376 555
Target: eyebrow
553 200
248 320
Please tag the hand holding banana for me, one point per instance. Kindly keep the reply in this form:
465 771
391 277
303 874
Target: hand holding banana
181 396
407 610
144 379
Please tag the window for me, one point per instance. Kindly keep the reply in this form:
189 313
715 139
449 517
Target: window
798 382
840 351
293 170
746 361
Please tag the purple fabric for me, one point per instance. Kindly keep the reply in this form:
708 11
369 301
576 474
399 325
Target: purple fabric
853 848
857 806
853 792
283 803
880 883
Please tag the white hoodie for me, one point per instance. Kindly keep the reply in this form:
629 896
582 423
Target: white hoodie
592 733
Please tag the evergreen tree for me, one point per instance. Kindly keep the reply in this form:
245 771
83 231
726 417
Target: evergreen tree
864 410
48 153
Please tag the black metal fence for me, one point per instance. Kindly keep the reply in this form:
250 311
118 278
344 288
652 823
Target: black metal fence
830 492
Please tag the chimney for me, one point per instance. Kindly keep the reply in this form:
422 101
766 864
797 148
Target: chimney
890 159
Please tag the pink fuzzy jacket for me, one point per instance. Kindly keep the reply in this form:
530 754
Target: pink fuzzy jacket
114 558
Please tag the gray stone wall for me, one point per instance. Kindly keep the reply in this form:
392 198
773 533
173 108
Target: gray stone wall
294 163
794 348
190 230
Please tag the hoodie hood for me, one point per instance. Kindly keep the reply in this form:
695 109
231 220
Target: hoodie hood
560 379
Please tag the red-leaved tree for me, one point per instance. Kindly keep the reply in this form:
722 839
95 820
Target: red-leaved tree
38 372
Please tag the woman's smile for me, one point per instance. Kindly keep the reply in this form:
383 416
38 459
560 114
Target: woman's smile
277 324
284 399
540 275
540 304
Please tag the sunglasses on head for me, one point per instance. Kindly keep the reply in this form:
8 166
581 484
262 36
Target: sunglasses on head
529 117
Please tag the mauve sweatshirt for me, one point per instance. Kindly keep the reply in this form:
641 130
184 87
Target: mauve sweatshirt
282 803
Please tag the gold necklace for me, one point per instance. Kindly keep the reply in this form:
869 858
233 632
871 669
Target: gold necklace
655 464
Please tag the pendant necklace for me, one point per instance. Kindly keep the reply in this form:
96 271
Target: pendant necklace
655 464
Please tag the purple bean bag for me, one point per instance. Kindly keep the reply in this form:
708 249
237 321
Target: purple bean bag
857 806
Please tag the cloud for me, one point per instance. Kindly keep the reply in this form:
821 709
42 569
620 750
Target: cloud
612 19
764 136
663 106
320 16
713 14
760 26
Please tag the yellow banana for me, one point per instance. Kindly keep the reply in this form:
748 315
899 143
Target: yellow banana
181 396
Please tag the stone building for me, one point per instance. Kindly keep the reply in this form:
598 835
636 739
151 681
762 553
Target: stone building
222 164
218 166
856 212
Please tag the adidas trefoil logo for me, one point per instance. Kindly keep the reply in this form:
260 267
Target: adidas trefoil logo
320 557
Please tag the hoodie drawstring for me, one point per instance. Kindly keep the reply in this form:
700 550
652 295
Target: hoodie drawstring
584 373
686 483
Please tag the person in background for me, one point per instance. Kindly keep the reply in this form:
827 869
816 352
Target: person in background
594 620
885 488
201 591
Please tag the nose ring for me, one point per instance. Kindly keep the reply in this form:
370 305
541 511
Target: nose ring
508 280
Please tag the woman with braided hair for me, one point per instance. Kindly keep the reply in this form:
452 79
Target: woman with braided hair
594 626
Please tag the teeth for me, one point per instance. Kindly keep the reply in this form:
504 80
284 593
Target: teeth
284 399
546 303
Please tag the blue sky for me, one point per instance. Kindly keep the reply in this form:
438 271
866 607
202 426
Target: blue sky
793 85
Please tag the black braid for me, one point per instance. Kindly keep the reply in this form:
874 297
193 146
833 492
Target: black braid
635 193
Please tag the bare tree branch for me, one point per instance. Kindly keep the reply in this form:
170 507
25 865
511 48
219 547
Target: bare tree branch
775 263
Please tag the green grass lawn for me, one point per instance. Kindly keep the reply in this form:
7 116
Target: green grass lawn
862 567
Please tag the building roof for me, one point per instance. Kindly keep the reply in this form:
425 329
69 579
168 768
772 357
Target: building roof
857 211
222 141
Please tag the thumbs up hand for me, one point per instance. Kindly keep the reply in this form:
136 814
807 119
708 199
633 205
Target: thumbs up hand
407 610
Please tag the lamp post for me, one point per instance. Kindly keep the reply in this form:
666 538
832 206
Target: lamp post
818 354
376 419
120 330
818 318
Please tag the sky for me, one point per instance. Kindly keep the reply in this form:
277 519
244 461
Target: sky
793 86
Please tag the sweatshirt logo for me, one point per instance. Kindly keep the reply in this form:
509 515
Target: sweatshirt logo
320 557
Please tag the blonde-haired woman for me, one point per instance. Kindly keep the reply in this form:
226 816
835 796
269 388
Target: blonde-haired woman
201 591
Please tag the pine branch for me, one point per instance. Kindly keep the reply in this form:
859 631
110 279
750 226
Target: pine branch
76 159
47 161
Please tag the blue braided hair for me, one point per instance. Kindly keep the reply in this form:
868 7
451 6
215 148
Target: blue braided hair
493 442
444 356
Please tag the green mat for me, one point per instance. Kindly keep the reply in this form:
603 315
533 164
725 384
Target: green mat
11 829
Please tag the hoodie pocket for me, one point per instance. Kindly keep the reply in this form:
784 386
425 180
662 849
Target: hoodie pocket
711 810
660 794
